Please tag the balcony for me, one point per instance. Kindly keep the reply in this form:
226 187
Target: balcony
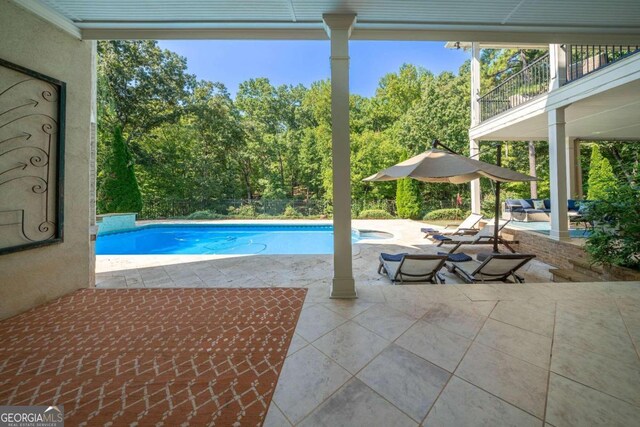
534 80
583 60
521 87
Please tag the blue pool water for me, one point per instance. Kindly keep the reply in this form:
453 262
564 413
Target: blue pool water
224 239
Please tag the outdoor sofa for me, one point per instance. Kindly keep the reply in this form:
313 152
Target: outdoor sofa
534 210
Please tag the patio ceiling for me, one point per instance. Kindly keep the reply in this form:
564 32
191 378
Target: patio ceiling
532 21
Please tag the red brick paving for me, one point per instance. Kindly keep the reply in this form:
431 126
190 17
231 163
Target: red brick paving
151 356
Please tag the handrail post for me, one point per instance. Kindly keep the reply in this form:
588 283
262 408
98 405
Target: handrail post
558 66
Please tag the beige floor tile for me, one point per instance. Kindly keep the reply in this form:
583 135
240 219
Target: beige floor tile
462 319
351 345
308 377
572 404
316 321
275 417
525 345
347 308
516 381
413 303
406 380
111 282
385 321
356 405
370 294
297 343
525 315
602 312
435 344
593 336
443 293
464 405
610 376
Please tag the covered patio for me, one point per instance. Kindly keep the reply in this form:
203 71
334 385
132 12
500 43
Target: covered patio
362 352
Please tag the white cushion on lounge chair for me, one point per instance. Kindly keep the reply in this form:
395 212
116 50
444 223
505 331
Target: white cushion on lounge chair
494 268
467 224
413 268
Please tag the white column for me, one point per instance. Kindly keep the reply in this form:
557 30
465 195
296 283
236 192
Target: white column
576 151
474 149
475 120
558 175
338 27
557 66
571 168
93 171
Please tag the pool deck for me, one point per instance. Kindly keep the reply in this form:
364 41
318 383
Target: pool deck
539 354
277 270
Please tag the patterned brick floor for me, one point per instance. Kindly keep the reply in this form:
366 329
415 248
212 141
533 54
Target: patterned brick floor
151 357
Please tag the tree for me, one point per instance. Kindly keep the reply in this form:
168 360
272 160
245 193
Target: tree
144 85
602 180
407 199
119 191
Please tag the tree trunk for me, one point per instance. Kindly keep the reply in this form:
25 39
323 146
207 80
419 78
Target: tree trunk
532 169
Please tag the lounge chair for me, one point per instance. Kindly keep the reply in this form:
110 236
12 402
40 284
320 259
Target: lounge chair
483 237
412 268
467 227
495 267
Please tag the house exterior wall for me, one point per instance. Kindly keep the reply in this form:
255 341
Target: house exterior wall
35 276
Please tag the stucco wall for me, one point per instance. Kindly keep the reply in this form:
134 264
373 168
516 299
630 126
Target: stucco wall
35 276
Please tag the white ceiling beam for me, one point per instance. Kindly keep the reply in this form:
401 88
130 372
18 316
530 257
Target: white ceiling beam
176 32
51 16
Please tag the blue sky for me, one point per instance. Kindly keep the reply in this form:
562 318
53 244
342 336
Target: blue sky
291 62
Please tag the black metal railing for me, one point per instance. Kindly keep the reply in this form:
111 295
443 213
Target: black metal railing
526 84
160 208
585 59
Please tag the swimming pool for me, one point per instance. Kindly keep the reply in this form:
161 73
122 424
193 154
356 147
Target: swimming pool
225 239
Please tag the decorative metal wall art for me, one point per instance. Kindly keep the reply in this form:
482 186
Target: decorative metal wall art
32 108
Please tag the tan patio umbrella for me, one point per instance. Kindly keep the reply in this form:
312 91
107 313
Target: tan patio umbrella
447 166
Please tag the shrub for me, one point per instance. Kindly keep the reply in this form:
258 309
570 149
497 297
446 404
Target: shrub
615 239
291 212
440 214
407 199
119 191
375 214
243 211
602 180
205 215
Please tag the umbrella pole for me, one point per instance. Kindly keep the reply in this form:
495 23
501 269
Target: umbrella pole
497 197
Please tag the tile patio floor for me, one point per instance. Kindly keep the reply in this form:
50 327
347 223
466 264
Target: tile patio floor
560 354
545 354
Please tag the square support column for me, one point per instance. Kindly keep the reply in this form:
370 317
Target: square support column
578 162
558 175
338 27
476 206
474 147
571 168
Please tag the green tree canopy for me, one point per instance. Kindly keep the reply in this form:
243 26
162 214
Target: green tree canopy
119 191
602 180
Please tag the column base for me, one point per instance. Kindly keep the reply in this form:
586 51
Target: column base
561 235
344 288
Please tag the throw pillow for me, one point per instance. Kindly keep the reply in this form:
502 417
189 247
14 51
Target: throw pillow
538 204
525 204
